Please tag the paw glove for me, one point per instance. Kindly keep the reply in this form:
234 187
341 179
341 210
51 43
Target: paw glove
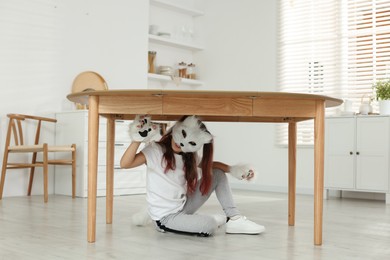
242 171
142 129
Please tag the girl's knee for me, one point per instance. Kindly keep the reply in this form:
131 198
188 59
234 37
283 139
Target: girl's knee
219 174
218 171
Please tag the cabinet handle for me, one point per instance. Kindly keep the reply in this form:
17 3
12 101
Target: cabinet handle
357 153
119 144
350 152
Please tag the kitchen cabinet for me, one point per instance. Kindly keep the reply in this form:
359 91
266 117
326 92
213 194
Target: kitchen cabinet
72 127
175 40
357 154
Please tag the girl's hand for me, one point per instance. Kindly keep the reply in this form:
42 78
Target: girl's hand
242 171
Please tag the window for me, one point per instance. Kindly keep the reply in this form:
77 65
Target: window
368 45
309 54
332 47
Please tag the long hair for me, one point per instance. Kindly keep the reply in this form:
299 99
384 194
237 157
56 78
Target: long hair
189 159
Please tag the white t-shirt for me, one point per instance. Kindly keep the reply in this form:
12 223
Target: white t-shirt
165 192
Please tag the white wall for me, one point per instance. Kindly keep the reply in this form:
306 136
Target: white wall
46 43
29 71
109 37
240 39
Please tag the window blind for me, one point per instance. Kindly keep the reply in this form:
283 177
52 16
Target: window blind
368 46
309 54
335 48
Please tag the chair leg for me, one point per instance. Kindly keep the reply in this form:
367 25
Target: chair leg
45 170
3 170
74 171
32 171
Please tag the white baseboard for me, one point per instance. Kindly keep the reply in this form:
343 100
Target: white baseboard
309 191
268 188
357 195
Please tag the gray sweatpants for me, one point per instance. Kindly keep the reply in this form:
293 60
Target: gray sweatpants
187 222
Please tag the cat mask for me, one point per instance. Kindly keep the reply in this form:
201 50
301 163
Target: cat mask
189 136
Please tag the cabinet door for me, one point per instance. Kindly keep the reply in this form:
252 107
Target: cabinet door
126 181
339 153
372 153
72 127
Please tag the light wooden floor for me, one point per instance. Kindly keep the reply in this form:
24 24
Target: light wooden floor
353 229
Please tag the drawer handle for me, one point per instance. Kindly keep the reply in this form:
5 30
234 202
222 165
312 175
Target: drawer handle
119 144
117 168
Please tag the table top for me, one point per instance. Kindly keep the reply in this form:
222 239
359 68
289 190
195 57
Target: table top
82 97
249 106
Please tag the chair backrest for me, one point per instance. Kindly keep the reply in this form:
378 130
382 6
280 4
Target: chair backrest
88 80
15 128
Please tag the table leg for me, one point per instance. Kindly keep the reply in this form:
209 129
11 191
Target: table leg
319 136
93 138
292 148
110 169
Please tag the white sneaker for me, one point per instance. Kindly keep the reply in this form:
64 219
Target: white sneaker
242 225
158 228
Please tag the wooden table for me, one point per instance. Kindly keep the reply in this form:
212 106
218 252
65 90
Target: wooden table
275 107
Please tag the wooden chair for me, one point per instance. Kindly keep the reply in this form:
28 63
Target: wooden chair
15 130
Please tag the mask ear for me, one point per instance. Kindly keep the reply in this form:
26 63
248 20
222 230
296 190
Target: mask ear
191 122
205 137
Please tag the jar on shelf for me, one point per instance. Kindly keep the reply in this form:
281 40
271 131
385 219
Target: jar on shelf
191 71
151 61
182 69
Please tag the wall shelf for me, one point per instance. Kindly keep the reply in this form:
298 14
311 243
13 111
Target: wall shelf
177 8
174 43
182 48
163 78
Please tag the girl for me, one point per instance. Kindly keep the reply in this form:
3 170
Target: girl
179 183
